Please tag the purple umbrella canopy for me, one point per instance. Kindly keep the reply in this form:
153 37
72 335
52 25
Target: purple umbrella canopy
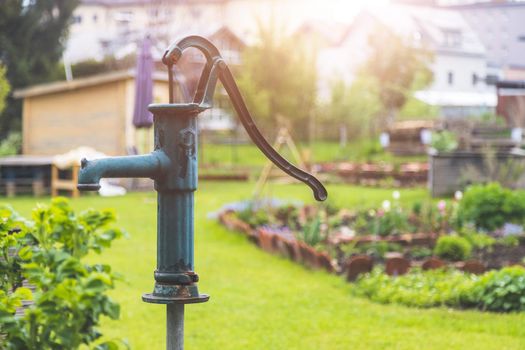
142 118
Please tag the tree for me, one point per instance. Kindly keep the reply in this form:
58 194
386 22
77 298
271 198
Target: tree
278 79
398 67
12 143
4 87
32 38
353 108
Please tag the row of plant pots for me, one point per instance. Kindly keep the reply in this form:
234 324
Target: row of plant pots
405 174
277 244
407 239
241 176
396 265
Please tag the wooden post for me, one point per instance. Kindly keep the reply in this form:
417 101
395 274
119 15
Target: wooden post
54 180
64 184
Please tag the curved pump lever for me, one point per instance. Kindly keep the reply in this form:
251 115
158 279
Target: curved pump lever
216 67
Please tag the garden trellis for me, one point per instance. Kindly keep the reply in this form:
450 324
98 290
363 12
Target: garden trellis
173 166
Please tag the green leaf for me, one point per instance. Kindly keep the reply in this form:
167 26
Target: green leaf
25 253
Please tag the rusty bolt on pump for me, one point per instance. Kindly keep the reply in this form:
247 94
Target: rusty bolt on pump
173 167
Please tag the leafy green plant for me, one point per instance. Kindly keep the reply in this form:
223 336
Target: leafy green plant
311 232
71 296
432 217
507 173
416 288
491 119
11 144
4 87
509 241
392 222
502 291
287 215
478 240
444 141
420 252
453 248
254 218
490 206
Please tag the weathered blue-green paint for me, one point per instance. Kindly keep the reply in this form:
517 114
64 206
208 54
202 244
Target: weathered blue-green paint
173 166
150 165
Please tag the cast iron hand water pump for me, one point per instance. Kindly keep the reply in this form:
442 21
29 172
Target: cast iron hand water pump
173 166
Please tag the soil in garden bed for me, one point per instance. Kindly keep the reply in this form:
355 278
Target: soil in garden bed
500 255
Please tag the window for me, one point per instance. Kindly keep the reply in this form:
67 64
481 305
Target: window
450 78
95 18
77 19
474 79
521 38
451 38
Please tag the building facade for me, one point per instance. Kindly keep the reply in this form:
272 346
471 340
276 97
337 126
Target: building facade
459 57
96 112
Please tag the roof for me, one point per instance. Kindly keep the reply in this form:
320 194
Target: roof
329 33
430 26
501 28
212 32
116 3
490 4
94 80
457 98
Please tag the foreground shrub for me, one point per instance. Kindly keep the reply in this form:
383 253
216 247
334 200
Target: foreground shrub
453 248
490 206
70 296
502 290
418 289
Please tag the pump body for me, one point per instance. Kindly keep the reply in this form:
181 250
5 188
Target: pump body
173 166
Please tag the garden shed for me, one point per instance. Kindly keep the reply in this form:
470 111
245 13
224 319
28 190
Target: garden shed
96 111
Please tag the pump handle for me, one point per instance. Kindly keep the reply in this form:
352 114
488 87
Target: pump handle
216 67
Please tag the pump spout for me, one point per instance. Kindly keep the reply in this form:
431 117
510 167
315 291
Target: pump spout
153 165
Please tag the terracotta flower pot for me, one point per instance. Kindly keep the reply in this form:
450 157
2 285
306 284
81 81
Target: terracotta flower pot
357 265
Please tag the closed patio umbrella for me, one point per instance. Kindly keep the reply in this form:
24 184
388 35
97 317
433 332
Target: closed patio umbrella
142 118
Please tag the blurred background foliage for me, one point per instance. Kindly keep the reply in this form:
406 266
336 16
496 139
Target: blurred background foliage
32 39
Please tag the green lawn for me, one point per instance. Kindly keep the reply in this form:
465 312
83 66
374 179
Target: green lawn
259 301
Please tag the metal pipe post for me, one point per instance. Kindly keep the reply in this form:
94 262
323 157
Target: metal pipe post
175 327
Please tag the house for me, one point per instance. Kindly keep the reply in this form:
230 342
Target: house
112 27
459 57
96 112
501 28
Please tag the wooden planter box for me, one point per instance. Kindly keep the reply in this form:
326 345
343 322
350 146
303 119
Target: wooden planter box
447 169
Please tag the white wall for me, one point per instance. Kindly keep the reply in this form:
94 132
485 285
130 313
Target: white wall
462 68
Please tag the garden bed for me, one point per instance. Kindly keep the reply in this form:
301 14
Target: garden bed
411 250
352 243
